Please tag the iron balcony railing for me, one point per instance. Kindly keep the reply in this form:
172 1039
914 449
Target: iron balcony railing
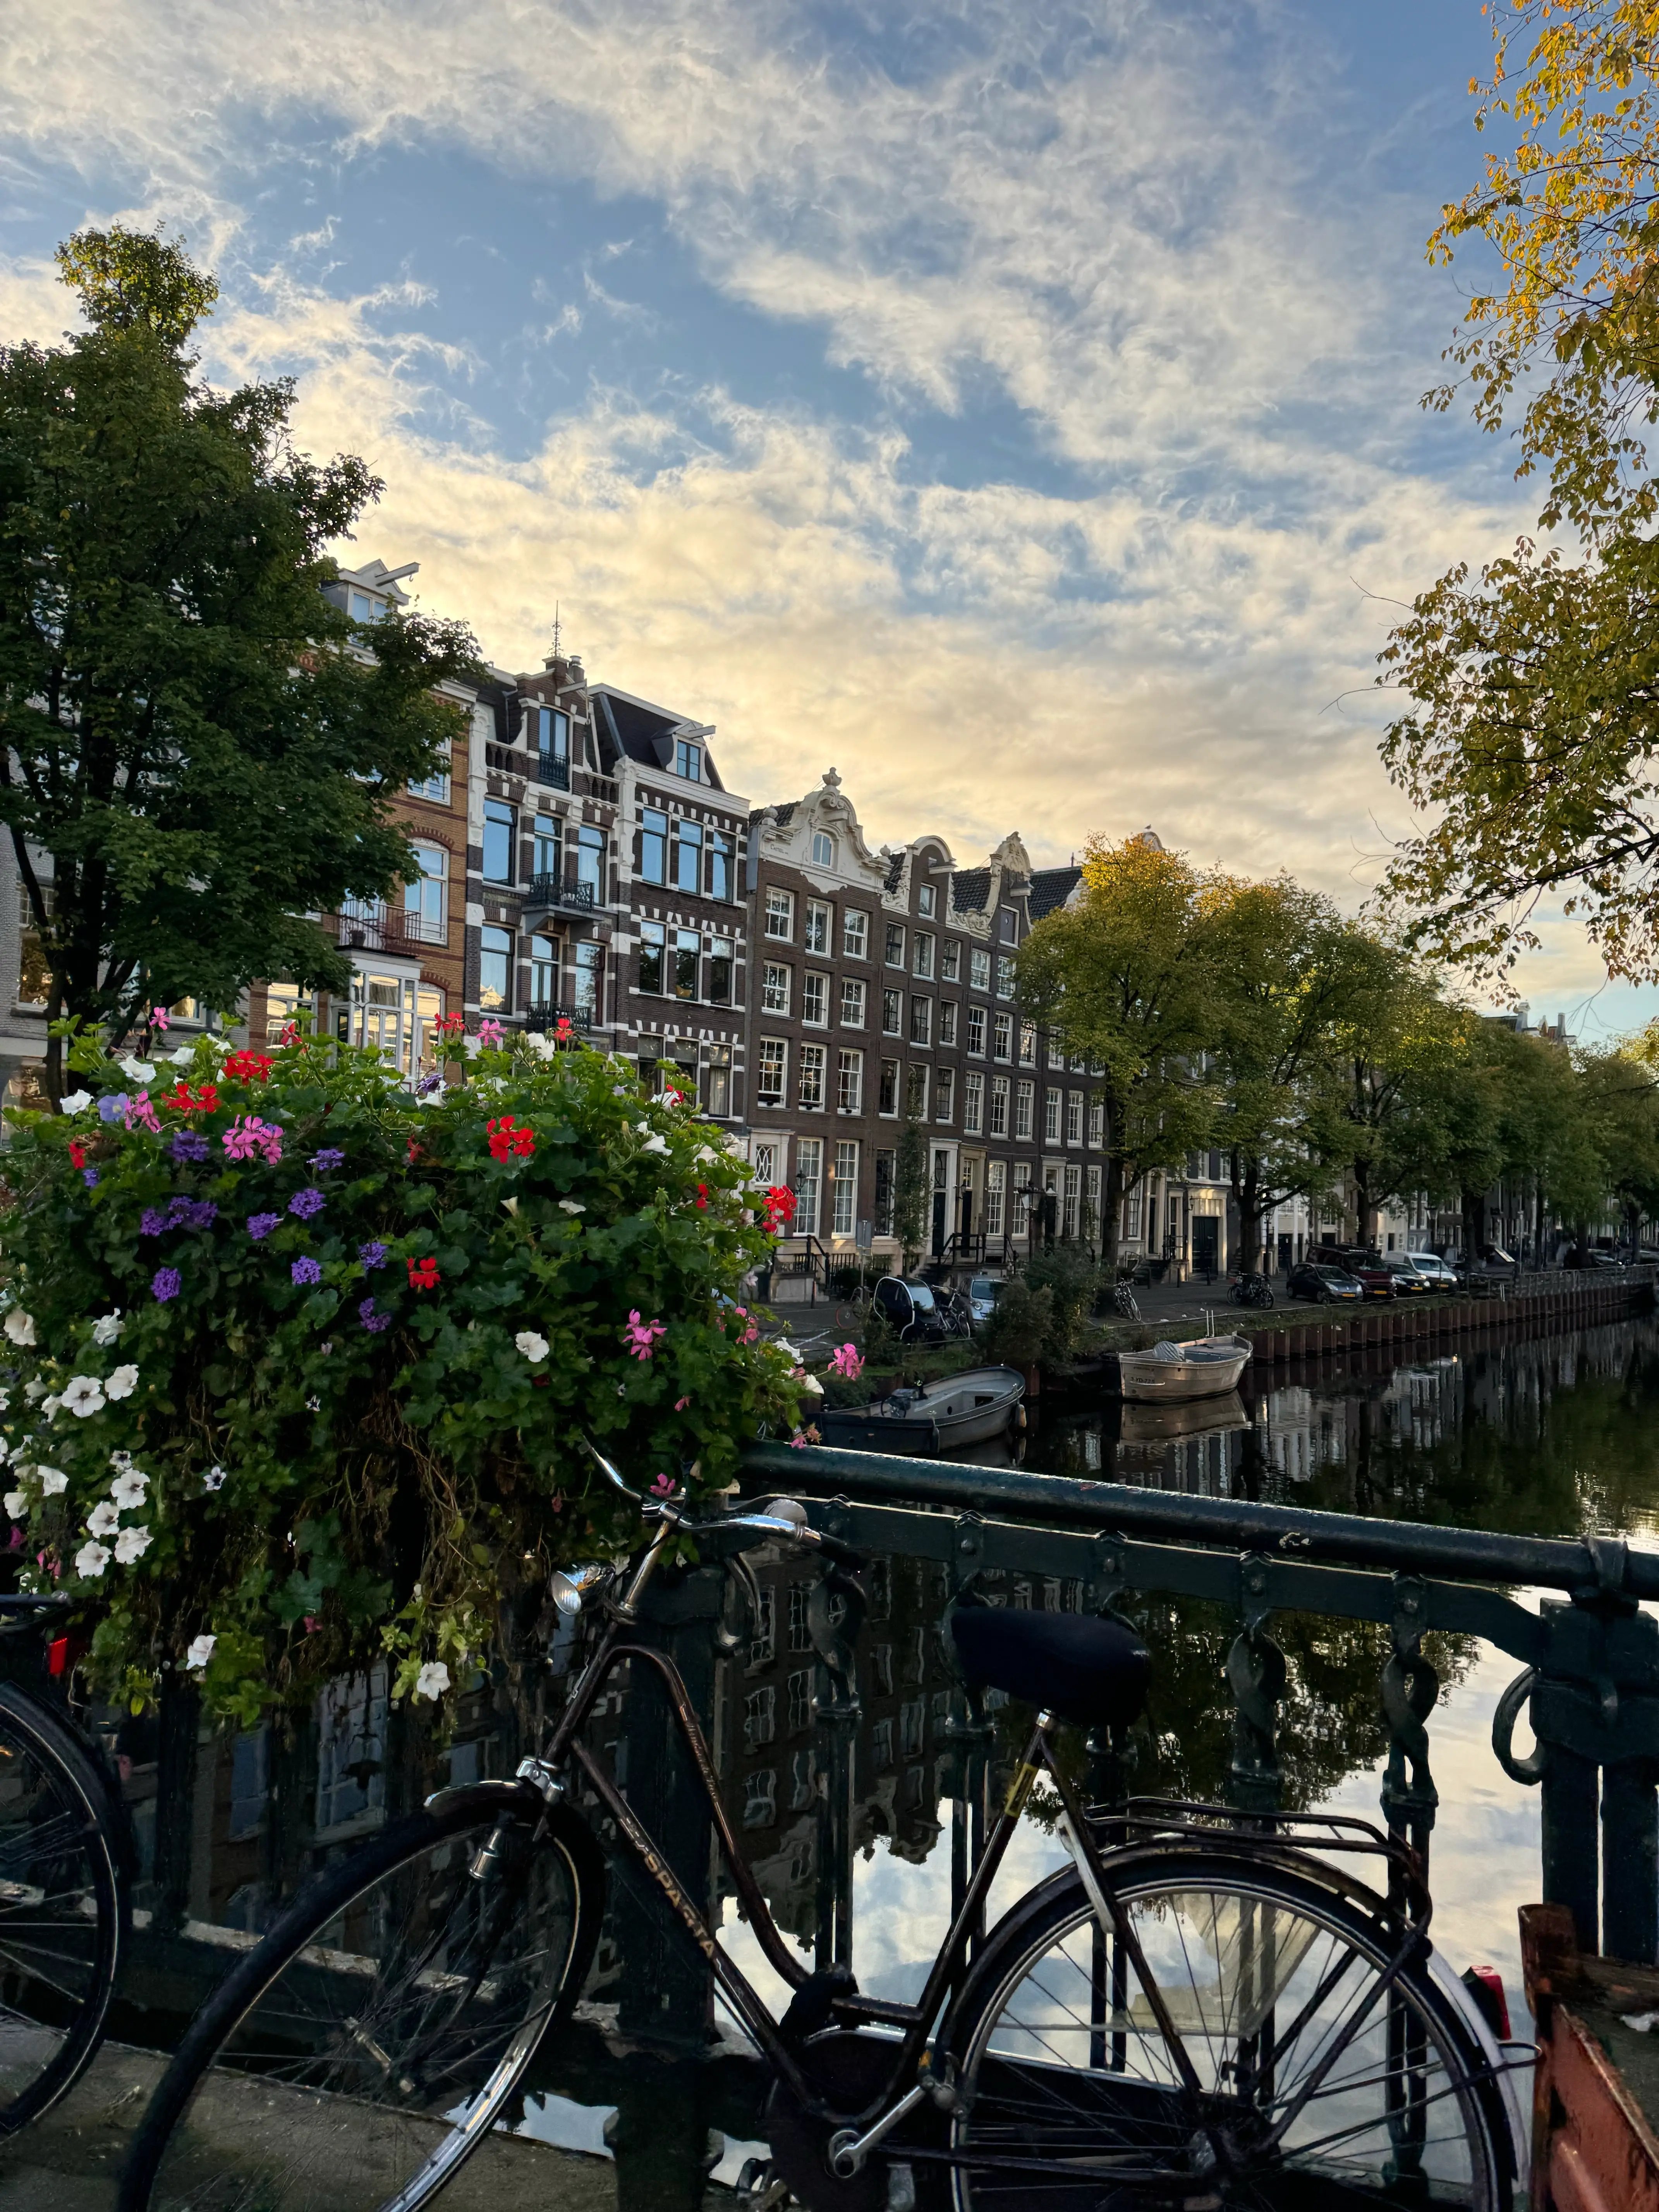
385 929
548 1018
562 891
552 770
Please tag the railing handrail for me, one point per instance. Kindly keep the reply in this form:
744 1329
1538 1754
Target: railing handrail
1407 1547
561 890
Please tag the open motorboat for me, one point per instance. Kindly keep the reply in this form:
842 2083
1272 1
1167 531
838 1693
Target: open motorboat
1204 1367
959 1409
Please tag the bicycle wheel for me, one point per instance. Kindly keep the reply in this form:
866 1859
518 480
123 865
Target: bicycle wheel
1069 2088
63 1907
380 2034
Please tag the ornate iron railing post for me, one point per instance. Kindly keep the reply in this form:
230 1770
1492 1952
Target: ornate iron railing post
835 1613
1255 1675
1410 1689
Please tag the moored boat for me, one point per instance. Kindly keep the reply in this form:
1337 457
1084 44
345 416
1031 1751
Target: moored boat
969 1408
1205 1367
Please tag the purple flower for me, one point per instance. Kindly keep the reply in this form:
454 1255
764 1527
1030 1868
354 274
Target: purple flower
306 1270
374 1322
113 1107
153 1222
373 1256
166 1283
305 1203
90 1176
186 1145
328 1159
260 1226
427 1085
200 1213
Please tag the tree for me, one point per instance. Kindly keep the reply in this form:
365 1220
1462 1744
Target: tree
204 746
1621 1099
1537 683
1127 976
911 1190
1400 1042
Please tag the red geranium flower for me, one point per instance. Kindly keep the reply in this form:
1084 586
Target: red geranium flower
78 1153
778 1210
248 1066
422 1275
203 1100
506 1139
702 1197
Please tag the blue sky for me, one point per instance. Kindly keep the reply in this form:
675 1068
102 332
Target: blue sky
1017 408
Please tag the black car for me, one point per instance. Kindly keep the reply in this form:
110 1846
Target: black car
1324 1285
913 1310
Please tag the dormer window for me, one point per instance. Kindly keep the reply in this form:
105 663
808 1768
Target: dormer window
824 849
365 608
688 761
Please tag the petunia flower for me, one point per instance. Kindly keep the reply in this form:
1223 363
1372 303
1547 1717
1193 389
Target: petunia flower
433 1679
131 1544
107 1329
75 1102
111 1106
140 1071
129 1487
569 1206
534 1348
84 1395
200 1651
105 1518
52 1480
214 1479
91 1559
19 1327
123 1382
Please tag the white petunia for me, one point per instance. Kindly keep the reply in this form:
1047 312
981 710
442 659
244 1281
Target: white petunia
75 1102
129 1487
34 1391
131 1544
16 1502
123 1382
570 1206
19 1325
782 1344
214 1479
433 1679
92 1559
200 1651
655 1145
533 1347
5 1399
140 1071
83 1394
52 1405
808 1382
182 1056
53 1480
105 1518
107 1329
471 1047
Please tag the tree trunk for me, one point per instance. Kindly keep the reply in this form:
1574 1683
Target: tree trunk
1248 1193
1111 1210
1473 1204
1364 1211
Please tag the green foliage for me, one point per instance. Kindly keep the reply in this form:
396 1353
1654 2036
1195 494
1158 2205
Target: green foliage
186 725
1072 1282
1022 1325
322 1461
880 1345
912 1192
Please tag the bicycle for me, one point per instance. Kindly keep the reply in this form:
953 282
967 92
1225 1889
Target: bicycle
1198 2012
65 1907
1124 1301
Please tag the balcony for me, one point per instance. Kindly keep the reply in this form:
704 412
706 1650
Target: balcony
547 1018
552 771
563 893
381 928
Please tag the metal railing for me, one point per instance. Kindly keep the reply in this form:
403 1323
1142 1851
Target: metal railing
562 891
1590 1659
384 929
552 770
547 1018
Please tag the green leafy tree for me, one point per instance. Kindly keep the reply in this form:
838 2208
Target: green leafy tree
1400 1044
911 1192
202 743
1127 974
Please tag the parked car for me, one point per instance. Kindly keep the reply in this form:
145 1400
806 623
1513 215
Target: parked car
1409 1279
913 1309
1367 1268
984 1291
1440 1274
1614 1259
1324 1284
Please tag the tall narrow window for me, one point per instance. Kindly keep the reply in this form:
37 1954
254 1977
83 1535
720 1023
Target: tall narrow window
780 913
892 1013
544 974
775 986
495 970
1074 1117
549 850
426 899
1096 1122
844 1219
947 1021
926 900
718 879
824 849
688 857
855 934
651 957
588 957
719 971
852 1002
500 859
809 1172
654 847
1024 1099
1028 1045
998 1106
996 1187
951 961
976 1029
819 918
812 1075
720 1081
883 1216
979 965
916 1093
1004 1037
888 1097
924 954
895 945
688 761
1051 1118
815 1000
1004 977
771 1071
850 1079
590 861
945 1094
686 944
973 1103
922 1021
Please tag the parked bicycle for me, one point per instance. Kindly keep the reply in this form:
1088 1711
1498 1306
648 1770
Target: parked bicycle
1201 2011
1123 1299
64 1896
1251 1289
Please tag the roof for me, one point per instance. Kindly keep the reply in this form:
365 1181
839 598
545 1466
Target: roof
640 732
971 890
1051 888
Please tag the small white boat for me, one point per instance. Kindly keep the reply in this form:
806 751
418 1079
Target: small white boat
1170 1373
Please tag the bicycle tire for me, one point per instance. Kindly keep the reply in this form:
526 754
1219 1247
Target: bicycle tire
65 1907
1045 2085
363 2069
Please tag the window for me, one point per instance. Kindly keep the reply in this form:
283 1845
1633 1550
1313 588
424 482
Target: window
651 957
688 761
892 1013
947 1021
1051 1117
590 861
824 849
855 934
996 1189
654 847
760 1722
781 913
499 857
1008 925
883 1220
916 1093
844 1216
687 944
1068 1218
544 974
1004 976
815 1000
888 1097
922 1021
998 1106
588 957
979 969
1004 1037
760 1798
770 1073
548 848
719 879
811 1077
764 1158
945 1094
1097 1123
924 955
852 1002
435 787
950 962
1025 1100
973 1103
895 945
976 1030
426 900
850 1079
495 970
719 1080
1074 1117
809 1171
820 920
550 732
363 609
1056 1049
1028 1045
775 986
249 1784
688 857
718 950
927 899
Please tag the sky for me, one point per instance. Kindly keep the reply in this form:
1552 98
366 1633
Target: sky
1014 404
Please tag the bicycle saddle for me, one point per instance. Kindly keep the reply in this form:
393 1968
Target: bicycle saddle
1094 1672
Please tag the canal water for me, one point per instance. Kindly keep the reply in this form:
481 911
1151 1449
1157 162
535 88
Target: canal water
1557 1435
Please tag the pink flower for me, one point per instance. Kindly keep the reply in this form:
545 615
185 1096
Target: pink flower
490 1031
140 1114
847 1361
798 1442
159 1018
663 1486
640 1336
680 1404
245 1138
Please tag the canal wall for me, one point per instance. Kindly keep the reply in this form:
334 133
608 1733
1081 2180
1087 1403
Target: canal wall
1525 1304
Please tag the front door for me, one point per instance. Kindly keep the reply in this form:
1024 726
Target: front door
1206 1244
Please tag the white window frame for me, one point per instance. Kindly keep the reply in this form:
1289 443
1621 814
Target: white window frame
854 993
850 1079
818 927
855 934
815 991
812 1058
1024 1107
844 1193
772 1060
781 913
809 1186
775 987
973 1103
